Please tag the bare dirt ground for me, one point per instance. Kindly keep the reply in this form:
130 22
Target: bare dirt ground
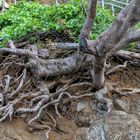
76 114
71 119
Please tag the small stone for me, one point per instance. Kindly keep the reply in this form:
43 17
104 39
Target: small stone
81 106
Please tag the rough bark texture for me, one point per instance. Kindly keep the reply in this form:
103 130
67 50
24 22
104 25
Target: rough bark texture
91 14
113 39
69 76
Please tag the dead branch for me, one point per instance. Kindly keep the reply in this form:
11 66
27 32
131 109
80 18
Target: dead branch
19 52
33 53
70 46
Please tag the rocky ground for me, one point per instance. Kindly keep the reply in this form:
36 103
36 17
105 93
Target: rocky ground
83 121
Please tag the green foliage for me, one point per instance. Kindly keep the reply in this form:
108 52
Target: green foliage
133 45
27 17
103 20
137 26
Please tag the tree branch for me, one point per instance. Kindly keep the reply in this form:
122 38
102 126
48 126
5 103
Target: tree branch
91 14
132 36
125 20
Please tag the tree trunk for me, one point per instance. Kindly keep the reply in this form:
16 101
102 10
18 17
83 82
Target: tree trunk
98 72
85 32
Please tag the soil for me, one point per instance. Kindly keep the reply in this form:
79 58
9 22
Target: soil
67 125
71 120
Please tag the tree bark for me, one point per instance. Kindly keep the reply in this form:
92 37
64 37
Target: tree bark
91 14
98 72
105 45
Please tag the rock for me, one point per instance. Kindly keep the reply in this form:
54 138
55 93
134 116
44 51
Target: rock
81 106
84 113
80 134
17 130
122 104
116 126
135 108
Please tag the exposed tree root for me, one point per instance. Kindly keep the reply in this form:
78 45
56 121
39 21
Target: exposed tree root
54 102
126 91
37 102
7 79
41 97
117 68
6 88
7 111
56 109
1 99
51 81
128 55
14 93
42 68
106 104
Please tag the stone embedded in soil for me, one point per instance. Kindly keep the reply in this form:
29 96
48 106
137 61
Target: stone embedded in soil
135 107
122 104
116 126
84 113
17 130
81 106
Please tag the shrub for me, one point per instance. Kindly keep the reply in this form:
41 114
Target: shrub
26 17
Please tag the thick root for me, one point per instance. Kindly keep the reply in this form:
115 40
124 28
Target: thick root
106 104
45 90
14 93
117 68
8 111
126 91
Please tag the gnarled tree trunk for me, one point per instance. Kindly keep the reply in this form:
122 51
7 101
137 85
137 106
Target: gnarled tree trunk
112 39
